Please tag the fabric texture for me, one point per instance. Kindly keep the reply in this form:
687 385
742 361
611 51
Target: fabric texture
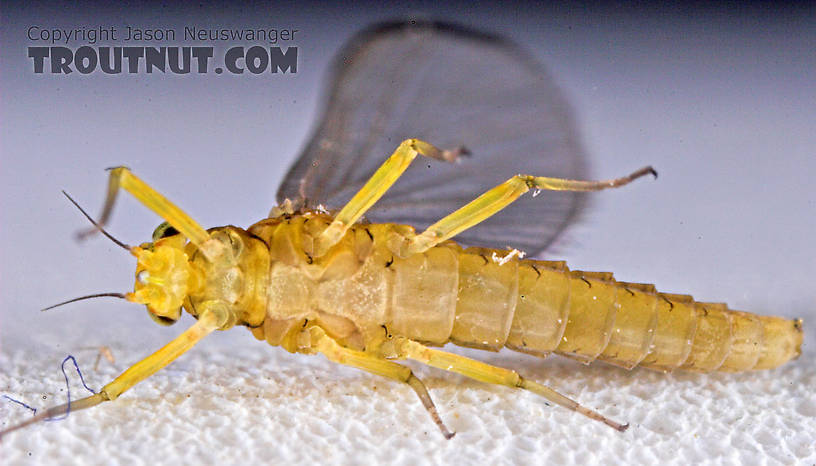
233 400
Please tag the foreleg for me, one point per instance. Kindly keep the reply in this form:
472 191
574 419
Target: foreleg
122 177
207 322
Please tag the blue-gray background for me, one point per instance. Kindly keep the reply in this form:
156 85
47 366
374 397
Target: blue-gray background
720 100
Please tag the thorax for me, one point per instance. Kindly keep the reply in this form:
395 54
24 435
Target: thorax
346 291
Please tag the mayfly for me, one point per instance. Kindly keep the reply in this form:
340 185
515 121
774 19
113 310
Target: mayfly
368 294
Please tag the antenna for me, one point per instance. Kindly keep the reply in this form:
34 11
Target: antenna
98 227
97 295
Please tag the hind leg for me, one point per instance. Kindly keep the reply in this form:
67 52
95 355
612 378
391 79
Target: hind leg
500 197
409 349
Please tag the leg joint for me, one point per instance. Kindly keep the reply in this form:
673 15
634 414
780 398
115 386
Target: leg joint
528 180
520 382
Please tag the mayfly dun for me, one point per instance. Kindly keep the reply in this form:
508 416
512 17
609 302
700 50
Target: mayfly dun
363 260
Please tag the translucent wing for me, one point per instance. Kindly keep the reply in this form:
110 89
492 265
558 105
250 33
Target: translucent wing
451 87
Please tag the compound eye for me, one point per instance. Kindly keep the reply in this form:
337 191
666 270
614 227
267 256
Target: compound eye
165 320
164 230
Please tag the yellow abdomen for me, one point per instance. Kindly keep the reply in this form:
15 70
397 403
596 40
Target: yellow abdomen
360 292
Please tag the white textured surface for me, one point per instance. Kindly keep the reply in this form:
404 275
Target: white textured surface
270 406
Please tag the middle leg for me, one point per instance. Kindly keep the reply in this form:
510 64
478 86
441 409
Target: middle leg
324 344
377 185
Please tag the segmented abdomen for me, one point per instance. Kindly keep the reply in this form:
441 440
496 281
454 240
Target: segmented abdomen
540 307
481 298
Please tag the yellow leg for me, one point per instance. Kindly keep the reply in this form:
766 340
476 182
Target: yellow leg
376 186
367 362
207 322
122 177
500 197
491 374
